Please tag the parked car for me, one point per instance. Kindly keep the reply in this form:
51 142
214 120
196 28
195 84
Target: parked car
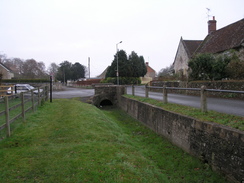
19 88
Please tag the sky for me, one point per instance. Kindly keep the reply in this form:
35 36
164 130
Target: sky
73 30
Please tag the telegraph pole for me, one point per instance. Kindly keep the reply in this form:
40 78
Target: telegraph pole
89 67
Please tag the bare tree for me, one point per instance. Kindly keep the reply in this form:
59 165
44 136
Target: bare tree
2 58
53 69
168 71
33 69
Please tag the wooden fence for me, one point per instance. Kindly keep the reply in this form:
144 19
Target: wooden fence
4 89
203 93
16 106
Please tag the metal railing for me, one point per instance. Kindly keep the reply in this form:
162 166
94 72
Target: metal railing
203 93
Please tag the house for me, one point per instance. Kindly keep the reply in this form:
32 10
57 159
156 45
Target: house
219 41
6 72
224 40
150 75
184 53
103 74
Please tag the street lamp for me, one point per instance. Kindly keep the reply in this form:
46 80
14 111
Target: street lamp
117 72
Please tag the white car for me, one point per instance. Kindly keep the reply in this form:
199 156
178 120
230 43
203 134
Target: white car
19 88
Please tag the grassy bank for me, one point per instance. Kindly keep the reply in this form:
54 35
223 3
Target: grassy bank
211 116
70 141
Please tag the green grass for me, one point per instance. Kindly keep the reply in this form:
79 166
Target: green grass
210 116
71 141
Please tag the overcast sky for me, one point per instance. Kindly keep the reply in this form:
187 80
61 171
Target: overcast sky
73 30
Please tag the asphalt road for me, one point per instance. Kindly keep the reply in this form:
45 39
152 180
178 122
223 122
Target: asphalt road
228 106
69 92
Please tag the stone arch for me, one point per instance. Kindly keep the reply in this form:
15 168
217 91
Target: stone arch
106 102
103 100
107 95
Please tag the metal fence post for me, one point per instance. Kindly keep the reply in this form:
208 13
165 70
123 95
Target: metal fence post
7 115
146 91
46 94
203 99
165 96
133 90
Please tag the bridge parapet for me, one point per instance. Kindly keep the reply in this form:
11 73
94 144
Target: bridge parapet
108 93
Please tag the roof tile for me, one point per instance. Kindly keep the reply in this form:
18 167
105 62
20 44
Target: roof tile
229 37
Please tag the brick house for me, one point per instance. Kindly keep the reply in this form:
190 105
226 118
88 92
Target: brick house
150 75
219 41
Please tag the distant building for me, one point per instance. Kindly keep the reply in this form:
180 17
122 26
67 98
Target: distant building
103 74
150 75
184 53
219 41
6 72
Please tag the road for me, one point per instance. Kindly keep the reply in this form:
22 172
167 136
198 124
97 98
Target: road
69 92
228 106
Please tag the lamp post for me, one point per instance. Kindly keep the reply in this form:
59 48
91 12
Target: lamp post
117 72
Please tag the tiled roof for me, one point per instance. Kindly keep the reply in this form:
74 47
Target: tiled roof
149 69
191 46
229 37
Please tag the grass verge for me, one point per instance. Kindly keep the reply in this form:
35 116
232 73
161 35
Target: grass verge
211 116
71 141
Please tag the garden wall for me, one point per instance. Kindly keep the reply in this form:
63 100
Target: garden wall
219 146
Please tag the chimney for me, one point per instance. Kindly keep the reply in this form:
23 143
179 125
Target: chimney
147 64
212 25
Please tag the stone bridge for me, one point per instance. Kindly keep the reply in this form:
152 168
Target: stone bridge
107 95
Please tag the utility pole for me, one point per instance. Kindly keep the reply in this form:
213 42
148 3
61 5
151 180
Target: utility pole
117 72
89 67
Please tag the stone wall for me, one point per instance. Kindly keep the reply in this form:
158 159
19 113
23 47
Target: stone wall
219 146
181 60
112 93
